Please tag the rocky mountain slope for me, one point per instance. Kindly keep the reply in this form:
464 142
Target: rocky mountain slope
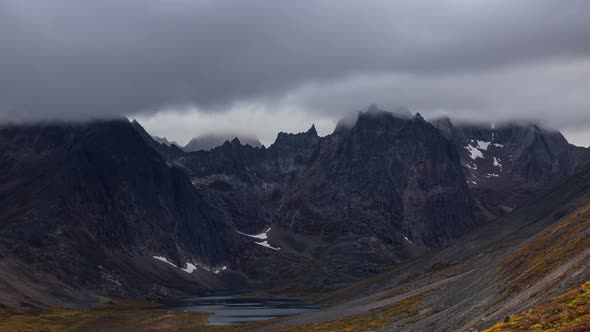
377 191
382 188
398 178
93 206
509 164
386 216
386 175
566 312
509 274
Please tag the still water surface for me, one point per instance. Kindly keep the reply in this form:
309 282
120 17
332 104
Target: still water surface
232 308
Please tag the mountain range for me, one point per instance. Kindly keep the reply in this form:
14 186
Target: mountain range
386 209
211 141
508 164
208 141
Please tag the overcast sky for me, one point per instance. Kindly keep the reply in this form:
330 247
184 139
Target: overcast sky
189 67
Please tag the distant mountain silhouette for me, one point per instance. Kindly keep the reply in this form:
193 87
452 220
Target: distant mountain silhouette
210 141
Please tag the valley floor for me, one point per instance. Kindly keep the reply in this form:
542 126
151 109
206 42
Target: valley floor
119 316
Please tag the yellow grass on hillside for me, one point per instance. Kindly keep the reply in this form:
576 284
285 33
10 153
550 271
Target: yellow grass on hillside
569 312
374 319
123 316
536 259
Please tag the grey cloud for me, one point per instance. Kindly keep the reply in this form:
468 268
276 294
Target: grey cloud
89 58
554 93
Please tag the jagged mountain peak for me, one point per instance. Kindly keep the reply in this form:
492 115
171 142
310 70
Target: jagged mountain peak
165 141
372 113
312 130
346 123
377 112
283 137
447 128
380 122
109 200
511 162
162 139
210 141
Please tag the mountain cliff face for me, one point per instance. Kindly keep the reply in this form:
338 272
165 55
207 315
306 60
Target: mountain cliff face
386 175
352 203
93 203
521 272
509 164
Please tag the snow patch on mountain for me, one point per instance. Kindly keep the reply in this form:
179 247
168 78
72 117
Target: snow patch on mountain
475 148
216 271
483 145
261 236
191 267
163 259
474 152
498 162
266 244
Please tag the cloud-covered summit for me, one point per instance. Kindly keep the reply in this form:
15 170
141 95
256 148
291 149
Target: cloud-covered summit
89 58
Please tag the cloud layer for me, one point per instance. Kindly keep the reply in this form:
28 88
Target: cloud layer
472 59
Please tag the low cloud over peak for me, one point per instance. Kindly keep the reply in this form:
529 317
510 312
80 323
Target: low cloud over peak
307 61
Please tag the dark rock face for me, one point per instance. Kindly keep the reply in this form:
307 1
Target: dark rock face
93 203
376 190
509 164
386 176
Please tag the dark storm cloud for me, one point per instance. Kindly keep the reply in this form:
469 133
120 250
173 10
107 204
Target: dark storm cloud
62 58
